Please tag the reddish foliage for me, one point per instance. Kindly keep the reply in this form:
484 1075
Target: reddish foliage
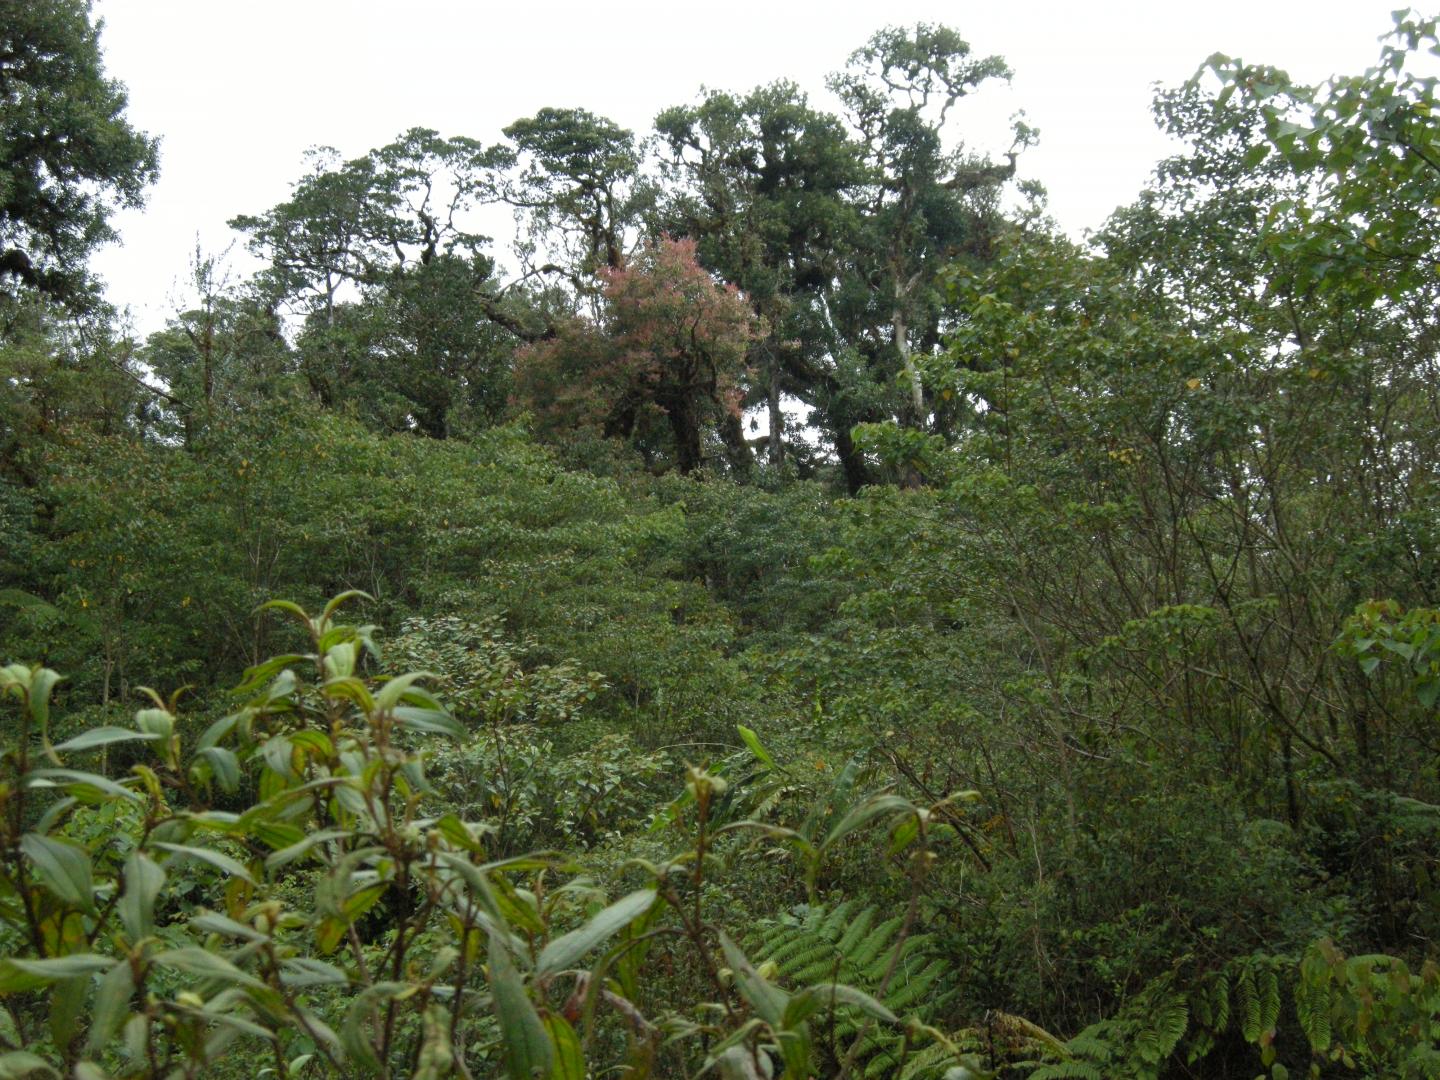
670 349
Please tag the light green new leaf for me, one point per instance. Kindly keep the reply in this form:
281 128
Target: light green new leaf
752 741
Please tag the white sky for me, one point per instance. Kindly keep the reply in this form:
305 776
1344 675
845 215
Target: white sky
237 91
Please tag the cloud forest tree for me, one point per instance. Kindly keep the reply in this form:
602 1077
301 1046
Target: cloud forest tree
666 359
68 155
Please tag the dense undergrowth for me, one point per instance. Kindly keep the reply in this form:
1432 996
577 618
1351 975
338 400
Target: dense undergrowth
1076 721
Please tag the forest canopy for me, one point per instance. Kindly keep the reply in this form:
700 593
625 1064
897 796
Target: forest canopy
795 613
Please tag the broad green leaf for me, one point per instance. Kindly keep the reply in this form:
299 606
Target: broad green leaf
863 813
42 684
343 598
289 854
214 923
431 721
22 1063
224 766
204 964
564 951
217 859
767 999
815 998
112 1004
63 868
569 1059
157 723
527 1048
340 661
77 783
105 736
17 973
390 694
143 881
353 1036
303 971
436 1060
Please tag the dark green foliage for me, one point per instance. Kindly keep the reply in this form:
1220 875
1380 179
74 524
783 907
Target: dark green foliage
1106 708
68 155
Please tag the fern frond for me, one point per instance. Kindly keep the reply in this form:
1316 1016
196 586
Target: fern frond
1068 1070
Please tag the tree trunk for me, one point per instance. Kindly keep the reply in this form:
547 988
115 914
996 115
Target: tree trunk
776 438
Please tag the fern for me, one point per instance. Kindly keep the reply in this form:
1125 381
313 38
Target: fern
1248 1003
1069 1070
1135 1044
854 945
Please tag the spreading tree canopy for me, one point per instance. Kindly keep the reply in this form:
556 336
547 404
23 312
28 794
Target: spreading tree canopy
68 155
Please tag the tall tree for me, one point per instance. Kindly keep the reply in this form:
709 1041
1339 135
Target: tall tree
666 359
68 155
574 181
402 316
927 202
762 182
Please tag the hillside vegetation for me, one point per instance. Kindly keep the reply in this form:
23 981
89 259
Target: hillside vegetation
419 668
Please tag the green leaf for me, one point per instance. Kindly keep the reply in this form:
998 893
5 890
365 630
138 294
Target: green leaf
80 784
224 765
112 1004
340 661
213 923
1255 155
303 971
143 881
569 1059
204 964
105 736
527 1047
813 998
390 694
42 683
430 721
863 813
18 974
562 953
219 860
343 598
20 1063
63 868
67 1002
768 1000
296 850
752 740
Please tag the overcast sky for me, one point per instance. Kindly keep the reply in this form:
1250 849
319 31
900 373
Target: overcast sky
238 91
